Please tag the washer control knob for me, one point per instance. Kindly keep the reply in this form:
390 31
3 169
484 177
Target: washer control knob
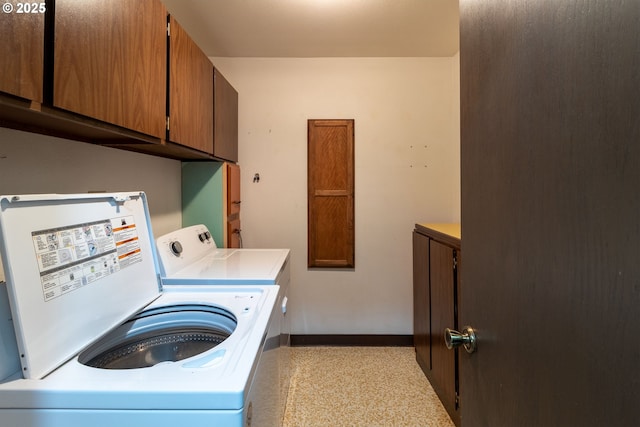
176 248
207 235
202 237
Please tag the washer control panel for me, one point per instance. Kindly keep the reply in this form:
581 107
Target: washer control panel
182 247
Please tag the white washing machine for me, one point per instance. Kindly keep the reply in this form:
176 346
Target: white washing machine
190 255
100 341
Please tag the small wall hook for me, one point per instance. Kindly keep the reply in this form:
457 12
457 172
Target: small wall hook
256 177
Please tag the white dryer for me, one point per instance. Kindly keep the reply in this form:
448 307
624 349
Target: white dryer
190 255
102 342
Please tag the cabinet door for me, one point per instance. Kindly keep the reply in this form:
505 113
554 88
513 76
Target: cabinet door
110 62
21 50
190 92
330 192
225 121
233 189
421 301
443 374
234 239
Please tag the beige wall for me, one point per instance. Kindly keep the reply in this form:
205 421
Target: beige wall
406 113
31 163
407 171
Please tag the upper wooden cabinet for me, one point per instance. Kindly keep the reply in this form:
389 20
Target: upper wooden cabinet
22 50
118 73
225 110
190 92
110 62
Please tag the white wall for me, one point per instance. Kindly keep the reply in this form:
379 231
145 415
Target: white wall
31 163
406 113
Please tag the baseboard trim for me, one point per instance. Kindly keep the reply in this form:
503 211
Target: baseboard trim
353 340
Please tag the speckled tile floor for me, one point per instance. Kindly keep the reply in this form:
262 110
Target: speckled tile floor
360 386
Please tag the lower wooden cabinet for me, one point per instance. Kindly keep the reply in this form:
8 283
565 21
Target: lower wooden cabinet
421 301
436 284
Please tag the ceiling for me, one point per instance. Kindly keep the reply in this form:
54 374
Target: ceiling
320 28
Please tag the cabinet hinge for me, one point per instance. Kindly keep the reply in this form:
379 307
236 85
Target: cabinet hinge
457 403
167 122
168 29
455 261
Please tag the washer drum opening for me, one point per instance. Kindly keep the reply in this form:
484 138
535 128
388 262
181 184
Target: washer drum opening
164 334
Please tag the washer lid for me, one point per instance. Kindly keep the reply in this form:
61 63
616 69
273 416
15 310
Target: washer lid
76 266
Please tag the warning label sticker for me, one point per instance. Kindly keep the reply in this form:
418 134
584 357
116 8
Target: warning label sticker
74 256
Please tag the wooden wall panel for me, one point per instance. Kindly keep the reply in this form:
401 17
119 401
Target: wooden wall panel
331 233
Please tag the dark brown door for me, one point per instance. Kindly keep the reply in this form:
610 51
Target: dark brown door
550 134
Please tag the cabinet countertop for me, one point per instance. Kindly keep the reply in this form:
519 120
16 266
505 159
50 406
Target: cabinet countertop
449 232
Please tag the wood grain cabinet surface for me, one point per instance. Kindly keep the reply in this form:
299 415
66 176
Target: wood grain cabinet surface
330 193
110 62
117 73
22 53
225 121
436 284
190 92
421 301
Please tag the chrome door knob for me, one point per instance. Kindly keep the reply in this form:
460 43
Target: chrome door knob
467 339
